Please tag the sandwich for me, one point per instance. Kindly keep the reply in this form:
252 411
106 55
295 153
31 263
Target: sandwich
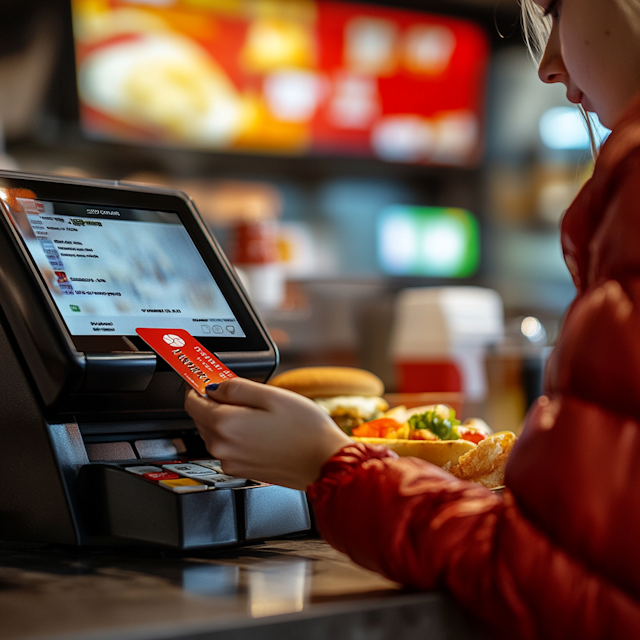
467 450
429 432
350 396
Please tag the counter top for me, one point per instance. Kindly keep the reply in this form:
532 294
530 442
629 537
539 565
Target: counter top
274 590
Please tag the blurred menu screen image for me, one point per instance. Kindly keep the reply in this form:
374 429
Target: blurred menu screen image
288 77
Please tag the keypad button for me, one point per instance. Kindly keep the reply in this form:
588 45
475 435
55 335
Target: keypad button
161 475
142 470
222 481
207 475
188 470
213 465
183 485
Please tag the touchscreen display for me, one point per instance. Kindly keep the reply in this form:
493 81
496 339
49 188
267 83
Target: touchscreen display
111 270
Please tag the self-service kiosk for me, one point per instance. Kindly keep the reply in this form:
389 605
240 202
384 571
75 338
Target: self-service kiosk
91 420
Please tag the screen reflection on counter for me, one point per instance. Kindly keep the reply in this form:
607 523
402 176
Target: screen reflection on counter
278 586
272 587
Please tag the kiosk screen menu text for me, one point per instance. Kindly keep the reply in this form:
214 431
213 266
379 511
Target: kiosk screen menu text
112 270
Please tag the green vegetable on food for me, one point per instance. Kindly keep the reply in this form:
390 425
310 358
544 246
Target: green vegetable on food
441 421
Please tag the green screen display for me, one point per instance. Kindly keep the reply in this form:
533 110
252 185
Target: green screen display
439 242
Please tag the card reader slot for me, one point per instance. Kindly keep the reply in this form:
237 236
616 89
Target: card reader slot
163 399
109 372
133 426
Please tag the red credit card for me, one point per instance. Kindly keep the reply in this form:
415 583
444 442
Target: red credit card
187 356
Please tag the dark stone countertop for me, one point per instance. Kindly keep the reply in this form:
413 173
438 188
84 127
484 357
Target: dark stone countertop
275 590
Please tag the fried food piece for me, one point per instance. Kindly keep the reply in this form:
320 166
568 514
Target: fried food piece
485 463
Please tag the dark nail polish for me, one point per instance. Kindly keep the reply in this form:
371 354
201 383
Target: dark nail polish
212 387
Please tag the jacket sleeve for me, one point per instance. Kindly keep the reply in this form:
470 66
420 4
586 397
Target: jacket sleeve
419 526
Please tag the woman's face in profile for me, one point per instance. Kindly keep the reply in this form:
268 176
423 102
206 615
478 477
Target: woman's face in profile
594 51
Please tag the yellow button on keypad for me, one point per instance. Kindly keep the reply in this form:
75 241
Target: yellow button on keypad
183 485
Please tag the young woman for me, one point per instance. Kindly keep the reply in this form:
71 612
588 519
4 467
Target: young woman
556 555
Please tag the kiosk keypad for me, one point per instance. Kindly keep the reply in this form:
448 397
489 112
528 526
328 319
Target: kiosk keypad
201 474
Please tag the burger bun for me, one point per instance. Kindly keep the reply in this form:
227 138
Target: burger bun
327 382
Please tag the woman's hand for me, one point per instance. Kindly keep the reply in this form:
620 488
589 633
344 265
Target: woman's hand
265 433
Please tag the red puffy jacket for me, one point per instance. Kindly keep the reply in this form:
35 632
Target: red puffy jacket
557 555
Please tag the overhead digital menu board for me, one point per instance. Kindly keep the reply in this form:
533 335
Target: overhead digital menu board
292 77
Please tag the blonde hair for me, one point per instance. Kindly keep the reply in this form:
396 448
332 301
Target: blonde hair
536 28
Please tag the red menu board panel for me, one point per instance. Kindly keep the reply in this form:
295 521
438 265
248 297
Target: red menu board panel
291 77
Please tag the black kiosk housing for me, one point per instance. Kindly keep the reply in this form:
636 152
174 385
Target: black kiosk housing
80 400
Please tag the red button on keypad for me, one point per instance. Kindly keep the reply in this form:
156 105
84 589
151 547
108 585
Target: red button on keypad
161 475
